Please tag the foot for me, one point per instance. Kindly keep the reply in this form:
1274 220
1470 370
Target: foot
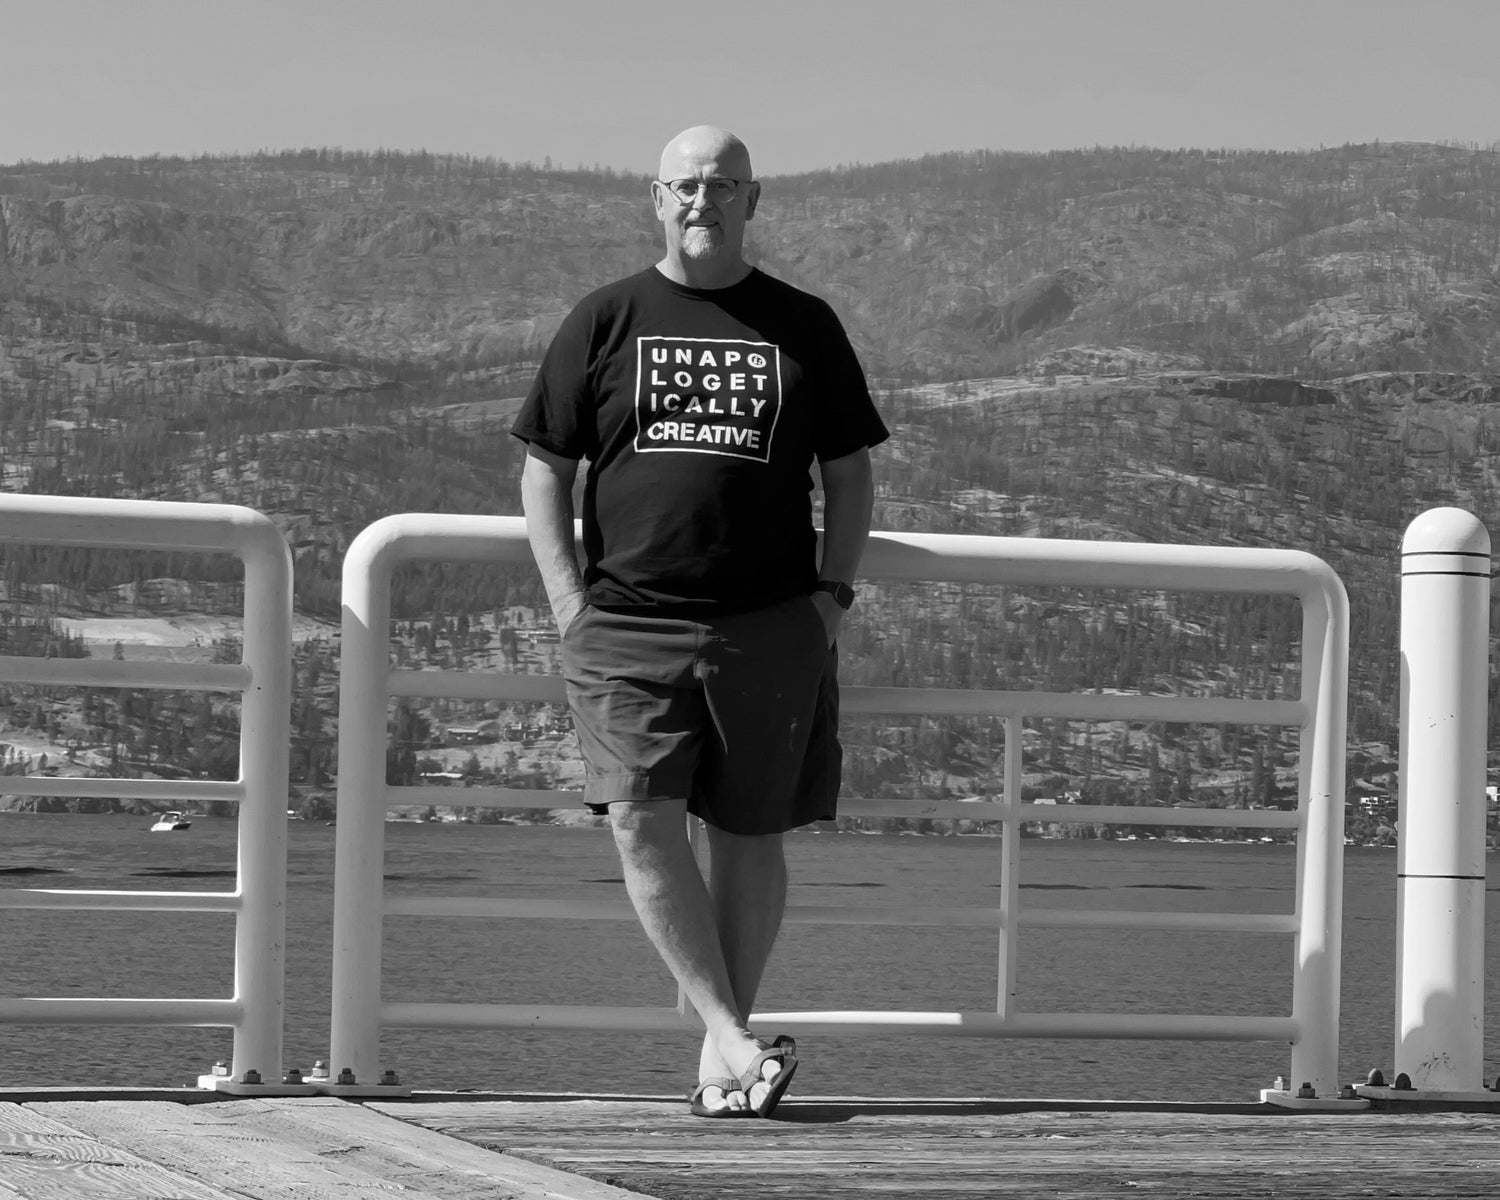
762 1070
769 1074
712 1064
720 1097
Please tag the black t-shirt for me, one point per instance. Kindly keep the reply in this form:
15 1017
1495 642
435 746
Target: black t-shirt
700 412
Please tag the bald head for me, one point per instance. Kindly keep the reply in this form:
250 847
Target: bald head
705 231
686 152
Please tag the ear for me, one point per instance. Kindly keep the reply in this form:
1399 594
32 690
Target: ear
656 199
752 198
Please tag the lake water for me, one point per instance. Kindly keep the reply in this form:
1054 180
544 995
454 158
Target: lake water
182 955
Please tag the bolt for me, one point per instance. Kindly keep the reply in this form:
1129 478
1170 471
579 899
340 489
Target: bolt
1278 1084
250 1076
221 1067
1403 1083
346 1076
1376 1077
293 1075
1306 1092
389 1079
1347 1092
1496 1087
320 1070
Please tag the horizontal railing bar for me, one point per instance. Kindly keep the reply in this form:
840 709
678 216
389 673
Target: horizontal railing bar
179 790
1115 918
929 558
1141 1026
493 907
411 905
93 672
170 525
410 1014
88 1010
1074 814
1128 1026
1079 706
901 701
444 796
477 685
1127 814
440 795
82 900
956 916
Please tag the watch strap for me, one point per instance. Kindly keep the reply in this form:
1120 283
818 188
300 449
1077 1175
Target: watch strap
842 593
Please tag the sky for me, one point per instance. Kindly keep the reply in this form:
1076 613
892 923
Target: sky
806 83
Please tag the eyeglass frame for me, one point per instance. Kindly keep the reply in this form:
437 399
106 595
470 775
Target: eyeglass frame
703 185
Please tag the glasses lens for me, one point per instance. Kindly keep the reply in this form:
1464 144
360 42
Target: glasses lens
719 191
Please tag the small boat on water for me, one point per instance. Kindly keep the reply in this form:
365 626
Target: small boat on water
170 822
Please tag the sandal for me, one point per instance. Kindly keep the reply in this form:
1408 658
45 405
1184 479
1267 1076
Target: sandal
784 1051
699 1109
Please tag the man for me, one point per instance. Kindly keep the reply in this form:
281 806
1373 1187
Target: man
697 642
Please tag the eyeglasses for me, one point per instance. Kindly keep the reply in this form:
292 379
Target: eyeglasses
718 190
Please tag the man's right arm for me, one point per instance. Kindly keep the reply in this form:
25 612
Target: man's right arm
547 500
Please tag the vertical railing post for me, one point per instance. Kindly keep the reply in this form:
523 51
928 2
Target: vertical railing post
1010 869
1320 841
1440 860
265 719
359 879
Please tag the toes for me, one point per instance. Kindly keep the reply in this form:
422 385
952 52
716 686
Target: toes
716 1099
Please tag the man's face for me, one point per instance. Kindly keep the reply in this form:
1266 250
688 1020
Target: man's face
703 229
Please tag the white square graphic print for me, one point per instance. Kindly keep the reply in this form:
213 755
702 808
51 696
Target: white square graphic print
707 396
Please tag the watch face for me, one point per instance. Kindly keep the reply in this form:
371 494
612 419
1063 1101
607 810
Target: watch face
842 593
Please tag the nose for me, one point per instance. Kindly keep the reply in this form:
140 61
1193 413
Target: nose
701 200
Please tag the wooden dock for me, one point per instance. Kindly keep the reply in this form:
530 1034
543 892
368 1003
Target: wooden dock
171 1145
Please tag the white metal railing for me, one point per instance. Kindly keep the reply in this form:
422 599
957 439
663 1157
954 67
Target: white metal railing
367 681
263 679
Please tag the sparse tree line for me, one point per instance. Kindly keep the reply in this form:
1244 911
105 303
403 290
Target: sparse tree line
1206 256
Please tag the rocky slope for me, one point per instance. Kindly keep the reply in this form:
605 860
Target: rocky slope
1188 346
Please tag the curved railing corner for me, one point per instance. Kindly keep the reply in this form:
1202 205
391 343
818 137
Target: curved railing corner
263 679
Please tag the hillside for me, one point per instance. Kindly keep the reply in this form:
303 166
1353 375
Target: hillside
1187 346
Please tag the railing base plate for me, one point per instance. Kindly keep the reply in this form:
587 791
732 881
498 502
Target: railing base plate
1286 1099
232 1087
369 1090
1416 1097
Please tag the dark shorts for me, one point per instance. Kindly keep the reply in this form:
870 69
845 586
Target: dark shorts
737 715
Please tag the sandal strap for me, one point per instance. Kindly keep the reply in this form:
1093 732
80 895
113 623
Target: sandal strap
723 1083
783 1050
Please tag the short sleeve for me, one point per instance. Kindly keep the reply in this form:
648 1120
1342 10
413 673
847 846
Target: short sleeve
850 419
558 412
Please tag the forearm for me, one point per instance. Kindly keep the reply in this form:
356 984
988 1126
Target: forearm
848 503
547 500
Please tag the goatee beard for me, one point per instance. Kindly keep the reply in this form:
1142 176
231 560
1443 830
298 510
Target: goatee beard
702 242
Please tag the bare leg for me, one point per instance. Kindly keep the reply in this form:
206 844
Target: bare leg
677 913
747 880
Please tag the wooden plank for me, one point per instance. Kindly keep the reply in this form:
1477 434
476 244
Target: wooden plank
214 1144
390 1141
42 1158
839 1150
320 1148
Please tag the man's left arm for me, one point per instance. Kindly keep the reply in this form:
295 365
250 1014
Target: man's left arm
848 502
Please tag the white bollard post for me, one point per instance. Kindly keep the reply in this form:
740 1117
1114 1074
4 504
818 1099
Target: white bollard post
1440 863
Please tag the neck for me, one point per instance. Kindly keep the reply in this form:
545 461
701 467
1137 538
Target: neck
710 275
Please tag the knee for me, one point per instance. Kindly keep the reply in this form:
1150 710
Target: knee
750 848
649 822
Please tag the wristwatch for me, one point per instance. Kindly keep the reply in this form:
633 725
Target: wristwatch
842 593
